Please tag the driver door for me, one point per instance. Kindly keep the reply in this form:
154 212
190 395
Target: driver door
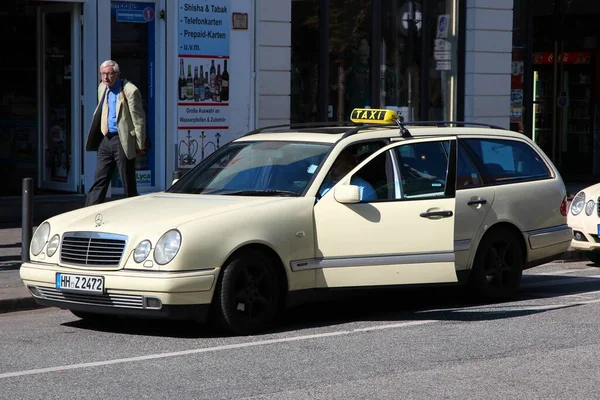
402 235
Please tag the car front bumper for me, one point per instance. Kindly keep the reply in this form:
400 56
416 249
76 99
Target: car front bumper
585 233
177 295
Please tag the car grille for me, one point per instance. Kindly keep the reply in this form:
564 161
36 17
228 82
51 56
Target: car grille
92 249
109 300
598 206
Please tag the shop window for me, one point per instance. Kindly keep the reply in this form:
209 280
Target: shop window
401 56
350 46
419 58
443 66
305 61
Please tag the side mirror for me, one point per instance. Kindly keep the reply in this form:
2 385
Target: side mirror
347 194
174 180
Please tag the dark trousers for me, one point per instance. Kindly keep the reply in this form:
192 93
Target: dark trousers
111 156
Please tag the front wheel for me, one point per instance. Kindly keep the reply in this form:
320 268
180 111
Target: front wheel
498 266
247 294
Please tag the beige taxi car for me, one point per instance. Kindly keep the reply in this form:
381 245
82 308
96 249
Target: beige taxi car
281 214
584 219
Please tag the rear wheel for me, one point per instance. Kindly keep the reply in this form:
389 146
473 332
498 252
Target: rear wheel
498 266
247 294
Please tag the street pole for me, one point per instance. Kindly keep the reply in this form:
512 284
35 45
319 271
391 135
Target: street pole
27 218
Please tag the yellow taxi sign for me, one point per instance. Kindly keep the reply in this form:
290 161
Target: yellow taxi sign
373 116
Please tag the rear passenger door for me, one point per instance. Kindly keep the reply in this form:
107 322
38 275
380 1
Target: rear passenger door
473 202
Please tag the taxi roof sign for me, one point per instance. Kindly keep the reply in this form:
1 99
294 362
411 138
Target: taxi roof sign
373 116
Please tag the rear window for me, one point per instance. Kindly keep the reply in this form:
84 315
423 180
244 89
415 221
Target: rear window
507 160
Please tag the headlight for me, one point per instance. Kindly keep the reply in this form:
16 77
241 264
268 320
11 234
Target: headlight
53 245
141 251
40 237
589 207
167 247
578 203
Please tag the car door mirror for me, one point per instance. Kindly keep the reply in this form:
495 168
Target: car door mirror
347 194
174 181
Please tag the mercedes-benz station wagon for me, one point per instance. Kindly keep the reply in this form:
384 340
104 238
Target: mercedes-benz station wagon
282 213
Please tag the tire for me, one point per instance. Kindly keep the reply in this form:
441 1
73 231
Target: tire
593 256
247 294
498 266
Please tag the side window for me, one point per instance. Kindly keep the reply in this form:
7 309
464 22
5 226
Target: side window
507 160
376 179
466 173
423 169
349 158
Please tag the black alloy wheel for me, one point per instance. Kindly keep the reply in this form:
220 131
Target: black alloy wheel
247 295
498 266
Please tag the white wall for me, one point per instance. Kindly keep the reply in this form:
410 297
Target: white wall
240 72
488 61
273 59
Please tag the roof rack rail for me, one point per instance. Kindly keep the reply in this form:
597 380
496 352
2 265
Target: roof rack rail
405 133
293 126
452 123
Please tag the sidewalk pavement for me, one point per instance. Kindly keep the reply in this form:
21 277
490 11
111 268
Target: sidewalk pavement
15 297
13 294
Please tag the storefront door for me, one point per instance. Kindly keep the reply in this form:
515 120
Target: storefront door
59 88
134 39
564 99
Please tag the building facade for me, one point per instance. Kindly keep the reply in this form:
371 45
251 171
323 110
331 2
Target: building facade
211 70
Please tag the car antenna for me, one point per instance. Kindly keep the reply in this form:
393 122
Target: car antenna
403 129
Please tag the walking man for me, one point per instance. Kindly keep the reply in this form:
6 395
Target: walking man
117 132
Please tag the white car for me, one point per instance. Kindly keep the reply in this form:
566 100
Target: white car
584 219
279 214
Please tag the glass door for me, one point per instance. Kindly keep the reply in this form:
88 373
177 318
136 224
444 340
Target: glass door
59 91
133 46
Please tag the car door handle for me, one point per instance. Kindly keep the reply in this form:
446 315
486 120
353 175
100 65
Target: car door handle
477 201
430 214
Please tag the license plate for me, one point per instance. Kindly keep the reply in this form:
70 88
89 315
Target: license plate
598 229
84 283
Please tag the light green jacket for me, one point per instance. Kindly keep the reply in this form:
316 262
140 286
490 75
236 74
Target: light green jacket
131 120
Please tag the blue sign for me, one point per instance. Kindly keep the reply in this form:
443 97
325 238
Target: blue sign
443 23
204 28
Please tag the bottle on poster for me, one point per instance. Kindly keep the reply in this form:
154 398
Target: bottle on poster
190 84
181 84
225 83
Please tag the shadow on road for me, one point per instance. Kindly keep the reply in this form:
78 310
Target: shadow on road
448 303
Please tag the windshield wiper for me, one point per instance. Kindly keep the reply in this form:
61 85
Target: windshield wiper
263 192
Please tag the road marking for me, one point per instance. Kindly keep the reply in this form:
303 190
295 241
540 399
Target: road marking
211 349
563 272
562 281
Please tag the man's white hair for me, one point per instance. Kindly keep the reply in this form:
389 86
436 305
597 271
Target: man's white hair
110 63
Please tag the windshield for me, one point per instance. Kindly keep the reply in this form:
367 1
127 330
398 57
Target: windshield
255 169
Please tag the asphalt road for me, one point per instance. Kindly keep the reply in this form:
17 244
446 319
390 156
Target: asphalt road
407 344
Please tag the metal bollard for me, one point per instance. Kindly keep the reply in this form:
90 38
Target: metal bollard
27 218
176 174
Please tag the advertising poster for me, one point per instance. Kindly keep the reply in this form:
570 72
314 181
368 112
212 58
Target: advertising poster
203 82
